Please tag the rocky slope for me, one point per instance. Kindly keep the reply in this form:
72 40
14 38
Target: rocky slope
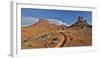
45 35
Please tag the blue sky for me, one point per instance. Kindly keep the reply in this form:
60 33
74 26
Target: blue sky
68 16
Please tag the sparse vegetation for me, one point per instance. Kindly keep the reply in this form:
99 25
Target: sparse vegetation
45 35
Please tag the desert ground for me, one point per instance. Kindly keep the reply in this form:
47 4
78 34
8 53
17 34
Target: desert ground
42 34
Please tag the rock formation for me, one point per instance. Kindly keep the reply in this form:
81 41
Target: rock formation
42 34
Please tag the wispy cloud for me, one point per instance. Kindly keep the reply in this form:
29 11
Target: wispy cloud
57 22
26 21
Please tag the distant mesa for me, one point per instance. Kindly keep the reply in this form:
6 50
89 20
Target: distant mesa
49 22
42 22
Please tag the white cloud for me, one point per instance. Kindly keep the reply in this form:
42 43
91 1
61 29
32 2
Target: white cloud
26 21
58 22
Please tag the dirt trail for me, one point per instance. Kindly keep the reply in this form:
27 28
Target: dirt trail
62 44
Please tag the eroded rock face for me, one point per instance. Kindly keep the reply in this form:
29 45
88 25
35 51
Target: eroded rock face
46 35
81 23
